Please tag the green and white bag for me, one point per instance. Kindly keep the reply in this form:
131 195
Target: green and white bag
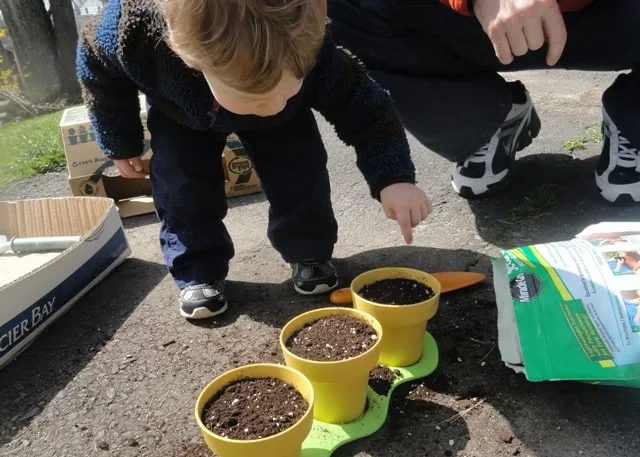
571 310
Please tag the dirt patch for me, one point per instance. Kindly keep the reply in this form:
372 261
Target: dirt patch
332 338
381 379
52 184
396 291
254 408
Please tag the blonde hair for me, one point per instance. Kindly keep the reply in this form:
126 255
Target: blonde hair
247 44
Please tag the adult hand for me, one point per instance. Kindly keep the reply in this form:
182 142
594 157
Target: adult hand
406 204
130 168
516 27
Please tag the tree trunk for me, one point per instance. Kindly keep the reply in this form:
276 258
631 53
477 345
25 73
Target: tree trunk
65 34
30 30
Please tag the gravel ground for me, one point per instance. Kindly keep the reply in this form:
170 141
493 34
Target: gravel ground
119 374
49 185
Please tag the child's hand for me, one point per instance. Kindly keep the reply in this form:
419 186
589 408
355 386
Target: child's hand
406 204
130 168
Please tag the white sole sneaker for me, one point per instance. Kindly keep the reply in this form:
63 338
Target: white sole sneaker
517 132
618 193
203 313
618 171
323 274
318 290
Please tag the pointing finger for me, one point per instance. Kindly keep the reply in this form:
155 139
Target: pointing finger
404 221
556 33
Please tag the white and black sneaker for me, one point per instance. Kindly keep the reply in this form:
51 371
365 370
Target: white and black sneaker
618 170
202 301
313 277
487 170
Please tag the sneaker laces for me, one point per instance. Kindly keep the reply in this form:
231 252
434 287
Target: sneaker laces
480 156
310 262
203 290
308 267
628 155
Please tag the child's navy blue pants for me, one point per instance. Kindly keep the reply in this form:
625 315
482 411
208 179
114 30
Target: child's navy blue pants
188 191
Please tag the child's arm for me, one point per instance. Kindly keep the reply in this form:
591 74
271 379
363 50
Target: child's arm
364 117
110 96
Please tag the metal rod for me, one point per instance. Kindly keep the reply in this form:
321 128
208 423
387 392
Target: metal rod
39 244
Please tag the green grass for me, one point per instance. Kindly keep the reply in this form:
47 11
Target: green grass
593 135
30 147
575 144
534 205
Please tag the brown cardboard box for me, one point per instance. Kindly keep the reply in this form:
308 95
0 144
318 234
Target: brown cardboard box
84 157
87 166
240 177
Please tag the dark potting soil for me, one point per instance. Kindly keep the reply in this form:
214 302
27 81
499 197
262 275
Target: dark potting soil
381 379
251 409
332 338
396 291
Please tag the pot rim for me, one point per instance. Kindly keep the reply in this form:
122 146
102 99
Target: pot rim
230 373
326 312
436 293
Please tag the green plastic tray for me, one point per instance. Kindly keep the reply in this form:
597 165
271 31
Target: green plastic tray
325 438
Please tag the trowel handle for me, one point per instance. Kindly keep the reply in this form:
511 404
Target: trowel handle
41 244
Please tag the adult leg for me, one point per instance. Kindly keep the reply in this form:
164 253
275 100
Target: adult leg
188 191
617 173
291 161
605 38
450 104
601 37
451 59
450 99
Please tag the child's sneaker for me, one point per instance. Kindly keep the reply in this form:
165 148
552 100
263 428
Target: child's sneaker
486 171
618 171
312 277
202 301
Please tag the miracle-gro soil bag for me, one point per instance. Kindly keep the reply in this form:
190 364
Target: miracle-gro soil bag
570 310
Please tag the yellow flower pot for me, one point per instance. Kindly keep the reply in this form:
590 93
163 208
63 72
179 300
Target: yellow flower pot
340 387
403 325
287 443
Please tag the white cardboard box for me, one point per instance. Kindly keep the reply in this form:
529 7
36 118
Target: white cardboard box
36 289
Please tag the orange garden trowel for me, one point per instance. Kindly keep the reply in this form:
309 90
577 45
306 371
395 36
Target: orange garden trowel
449 281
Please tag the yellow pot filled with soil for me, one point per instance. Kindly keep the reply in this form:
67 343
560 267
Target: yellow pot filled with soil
403 300
256 411
335 348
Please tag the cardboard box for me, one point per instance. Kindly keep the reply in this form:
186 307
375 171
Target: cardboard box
239 175
38 288
84 157
89 174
